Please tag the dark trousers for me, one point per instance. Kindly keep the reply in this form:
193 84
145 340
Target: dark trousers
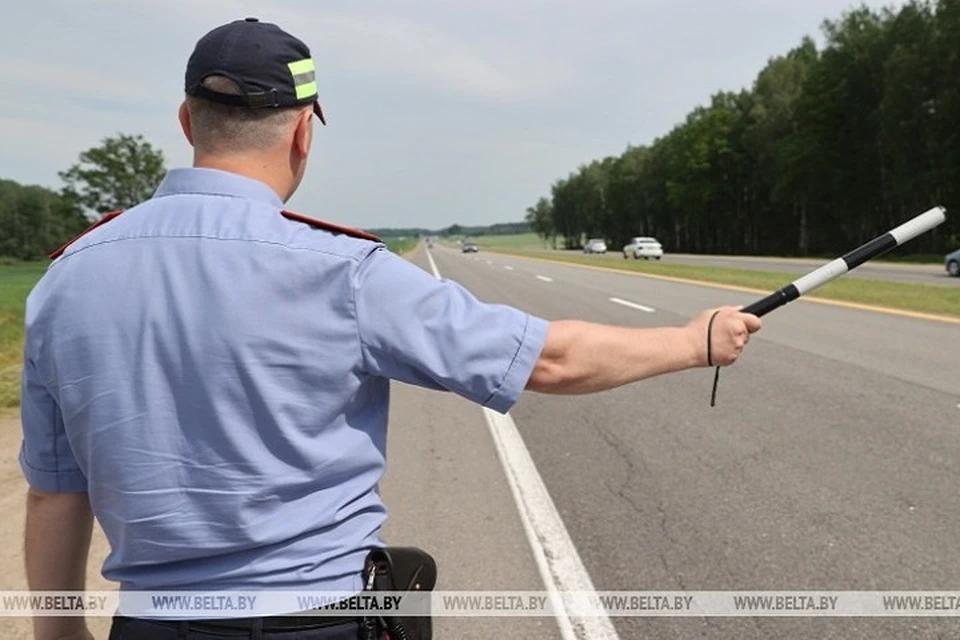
135 629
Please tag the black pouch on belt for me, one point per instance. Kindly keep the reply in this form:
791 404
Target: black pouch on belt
409 570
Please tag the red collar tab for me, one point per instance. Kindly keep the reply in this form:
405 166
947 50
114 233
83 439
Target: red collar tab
104 220
329 226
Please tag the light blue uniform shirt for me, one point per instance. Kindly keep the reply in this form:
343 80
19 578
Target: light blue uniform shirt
217 377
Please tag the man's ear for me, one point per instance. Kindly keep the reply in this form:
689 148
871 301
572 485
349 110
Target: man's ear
303 133
185 123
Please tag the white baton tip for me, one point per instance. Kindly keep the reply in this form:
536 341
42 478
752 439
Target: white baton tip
921 224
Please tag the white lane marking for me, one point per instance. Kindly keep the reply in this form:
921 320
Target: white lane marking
545 278
557 559
508 267
433 265
633 305
488 262
560 565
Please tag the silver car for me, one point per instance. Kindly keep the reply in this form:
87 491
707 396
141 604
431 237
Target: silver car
952 263
595 245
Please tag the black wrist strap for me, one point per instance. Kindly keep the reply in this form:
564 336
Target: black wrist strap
716 381
716 375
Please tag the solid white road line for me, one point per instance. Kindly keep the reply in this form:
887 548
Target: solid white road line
433 265
545 278
633 305
508 267
560 565
556 556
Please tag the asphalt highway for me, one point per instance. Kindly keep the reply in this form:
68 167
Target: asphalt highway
831 462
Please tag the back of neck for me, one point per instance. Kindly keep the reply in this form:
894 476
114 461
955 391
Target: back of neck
250 166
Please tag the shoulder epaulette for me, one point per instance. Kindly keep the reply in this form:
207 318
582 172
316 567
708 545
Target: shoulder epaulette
329 226
107 217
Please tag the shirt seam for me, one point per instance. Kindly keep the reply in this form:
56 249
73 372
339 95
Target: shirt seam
206 237
356 316
356 308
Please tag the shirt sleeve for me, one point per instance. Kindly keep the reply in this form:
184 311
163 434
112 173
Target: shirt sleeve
434 333
46 458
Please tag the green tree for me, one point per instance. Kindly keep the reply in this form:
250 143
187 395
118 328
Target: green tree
827 149
540 219
35 220
122 172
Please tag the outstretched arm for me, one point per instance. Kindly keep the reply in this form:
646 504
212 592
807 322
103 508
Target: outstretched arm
583 357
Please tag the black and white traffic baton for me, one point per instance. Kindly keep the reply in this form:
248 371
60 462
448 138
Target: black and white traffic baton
849 261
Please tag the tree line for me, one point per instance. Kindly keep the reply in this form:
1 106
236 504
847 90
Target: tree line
119 173
828 148
496 229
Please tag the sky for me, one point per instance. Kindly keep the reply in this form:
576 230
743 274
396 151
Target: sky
438 111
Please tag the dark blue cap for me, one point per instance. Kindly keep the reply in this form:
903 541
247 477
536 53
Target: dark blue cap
271 67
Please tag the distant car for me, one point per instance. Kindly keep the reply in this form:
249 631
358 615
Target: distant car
643 247
469 247
595 245
952 263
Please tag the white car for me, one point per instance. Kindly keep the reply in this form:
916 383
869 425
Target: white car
643 247
595 245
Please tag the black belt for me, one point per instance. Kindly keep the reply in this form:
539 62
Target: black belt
267 623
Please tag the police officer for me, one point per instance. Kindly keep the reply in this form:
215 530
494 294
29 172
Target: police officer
207 373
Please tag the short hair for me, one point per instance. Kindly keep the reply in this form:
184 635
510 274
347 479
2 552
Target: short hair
219 128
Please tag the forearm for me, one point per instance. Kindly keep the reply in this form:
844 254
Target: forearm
58 532
581 357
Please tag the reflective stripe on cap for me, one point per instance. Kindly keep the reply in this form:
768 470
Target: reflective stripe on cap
304 77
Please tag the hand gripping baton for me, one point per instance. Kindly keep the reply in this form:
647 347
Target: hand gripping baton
849 261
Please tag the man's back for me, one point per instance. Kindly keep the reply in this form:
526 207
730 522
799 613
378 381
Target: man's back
211 375
203 351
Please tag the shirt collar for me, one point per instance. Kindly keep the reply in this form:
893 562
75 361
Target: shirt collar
216 182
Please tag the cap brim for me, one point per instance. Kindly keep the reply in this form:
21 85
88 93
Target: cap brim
317 110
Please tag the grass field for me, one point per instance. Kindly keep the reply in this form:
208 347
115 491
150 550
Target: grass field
514 241
895 295
399 246
16 280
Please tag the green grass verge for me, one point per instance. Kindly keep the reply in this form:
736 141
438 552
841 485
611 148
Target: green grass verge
895 295
511 241
16 280
400 246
